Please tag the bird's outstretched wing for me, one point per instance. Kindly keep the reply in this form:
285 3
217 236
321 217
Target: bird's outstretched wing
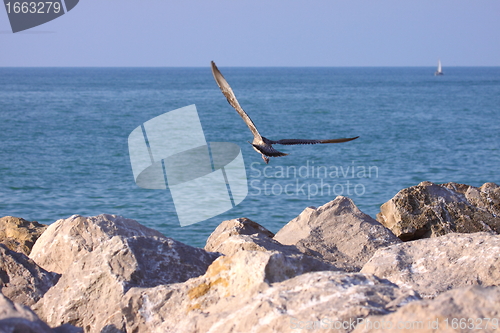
310 142
231 98
268 150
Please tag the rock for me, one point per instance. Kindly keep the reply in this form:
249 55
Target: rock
430 210
337 232
247 270
299 303
451 312
237 277
18 318
224 301
18 234
243 234
66 240
89 292
21 279
433 265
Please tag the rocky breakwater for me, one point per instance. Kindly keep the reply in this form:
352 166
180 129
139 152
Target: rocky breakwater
332 267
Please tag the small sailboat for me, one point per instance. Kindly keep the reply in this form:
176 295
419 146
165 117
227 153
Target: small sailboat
439 70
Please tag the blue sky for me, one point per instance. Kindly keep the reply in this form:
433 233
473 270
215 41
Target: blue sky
261 33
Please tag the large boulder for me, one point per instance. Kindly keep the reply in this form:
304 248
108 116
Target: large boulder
21 279
246 271
431 210
433 265
336 299
237 295
463 310
66 240
244 234
239 278
89 292
15 317
337 232
108 258
18 234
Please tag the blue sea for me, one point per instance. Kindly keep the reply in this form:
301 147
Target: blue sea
64 132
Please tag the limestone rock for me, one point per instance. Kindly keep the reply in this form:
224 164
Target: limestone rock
238 278
89 292
430 210
18 318
337 232
66 240
224 301
244 234
21 279
299 303
246 271
18 234
451 312
433 265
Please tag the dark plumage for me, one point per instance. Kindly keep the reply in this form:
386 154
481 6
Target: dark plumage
261 144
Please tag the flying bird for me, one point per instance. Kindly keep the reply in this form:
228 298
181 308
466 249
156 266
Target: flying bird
261 144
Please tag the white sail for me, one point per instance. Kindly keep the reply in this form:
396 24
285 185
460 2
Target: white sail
439 70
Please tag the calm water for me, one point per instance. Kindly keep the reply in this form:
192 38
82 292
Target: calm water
63 137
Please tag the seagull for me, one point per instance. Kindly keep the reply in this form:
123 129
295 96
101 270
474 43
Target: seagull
261 144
